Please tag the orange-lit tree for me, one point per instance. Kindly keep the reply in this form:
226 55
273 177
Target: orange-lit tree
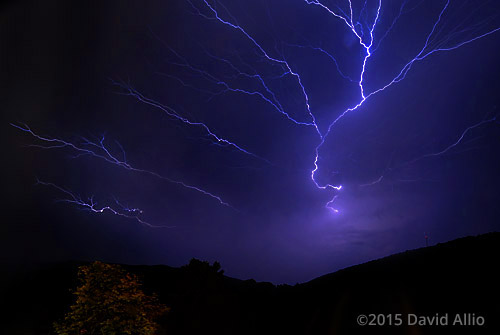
110 301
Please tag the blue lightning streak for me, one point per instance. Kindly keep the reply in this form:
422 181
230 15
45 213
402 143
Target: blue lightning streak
323 51
265 54
376 181
172 113
352 26
275 104
433 154
227 88
92 149
91 205
454 144
395 20
329 203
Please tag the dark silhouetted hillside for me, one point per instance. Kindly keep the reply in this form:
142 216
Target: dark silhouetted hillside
460 276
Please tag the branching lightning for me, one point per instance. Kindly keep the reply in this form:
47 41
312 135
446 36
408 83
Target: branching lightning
432 154
91 205
454 144
100 150
366 41
172 113
364 27
286 67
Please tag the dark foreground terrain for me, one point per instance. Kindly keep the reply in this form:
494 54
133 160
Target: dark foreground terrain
458 277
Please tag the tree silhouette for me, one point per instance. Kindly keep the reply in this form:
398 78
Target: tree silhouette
110 301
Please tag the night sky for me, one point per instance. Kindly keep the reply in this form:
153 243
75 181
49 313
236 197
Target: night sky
423 155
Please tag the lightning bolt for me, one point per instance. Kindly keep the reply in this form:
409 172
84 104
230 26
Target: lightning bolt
366 41
287 68
362 27
100 150
172 113
432 154
454 144
91 205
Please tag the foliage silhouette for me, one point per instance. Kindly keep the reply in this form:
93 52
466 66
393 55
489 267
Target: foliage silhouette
110 301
